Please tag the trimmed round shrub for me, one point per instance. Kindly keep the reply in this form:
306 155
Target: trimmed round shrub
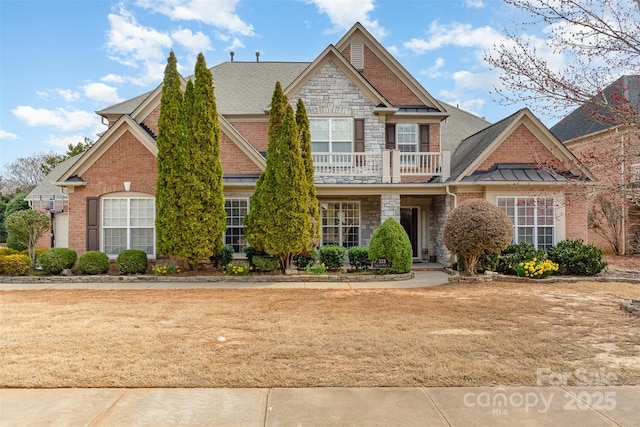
220 260
93 262
476 227
54 260
359 257
517 253
332 256
250 253
576 258
132 261
301 261
391 241
266 263
15 265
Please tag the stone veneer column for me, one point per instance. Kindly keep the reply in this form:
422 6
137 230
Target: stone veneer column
440 208
390 207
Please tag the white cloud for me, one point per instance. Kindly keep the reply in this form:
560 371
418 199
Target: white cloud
455 34
462 101
102 93
137 46
345 12
434 71
62 141
194 43
66 94
475 4
220 13
113 78
7 135
60 118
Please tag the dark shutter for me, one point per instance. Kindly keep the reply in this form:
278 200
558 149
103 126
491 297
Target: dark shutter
424 137
390 132
359 136
93 220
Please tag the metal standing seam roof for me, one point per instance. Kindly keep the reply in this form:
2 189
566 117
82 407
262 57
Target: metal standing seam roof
510 172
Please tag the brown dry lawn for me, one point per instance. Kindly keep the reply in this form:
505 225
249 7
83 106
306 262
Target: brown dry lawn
451 335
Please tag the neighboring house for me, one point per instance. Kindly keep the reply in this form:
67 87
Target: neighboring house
382 147
605 136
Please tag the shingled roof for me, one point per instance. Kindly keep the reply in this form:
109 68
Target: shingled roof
473 146
591 117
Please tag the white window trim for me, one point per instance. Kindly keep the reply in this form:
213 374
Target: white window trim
248 200
128 227
330 119
340 227
415 134
559 209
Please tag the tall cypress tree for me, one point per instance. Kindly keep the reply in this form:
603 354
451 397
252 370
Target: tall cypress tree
259 207
279 217
302 120
168 212
203 215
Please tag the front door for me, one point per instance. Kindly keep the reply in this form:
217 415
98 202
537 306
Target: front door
409 221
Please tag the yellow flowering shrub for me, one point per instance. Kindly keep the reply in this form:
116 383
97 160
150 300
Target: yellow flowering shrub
164 269
536 269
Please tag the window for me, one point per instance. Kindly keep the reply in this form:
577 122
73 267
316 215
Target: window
533 219
128 223
635 173
340 223
331 136
406 138
236 211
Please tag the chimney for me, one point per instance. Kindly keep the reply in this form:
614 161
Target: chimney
231 54
257 56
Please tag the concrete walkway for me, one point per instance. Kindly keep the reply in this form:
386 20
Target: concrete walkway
511 406
419 279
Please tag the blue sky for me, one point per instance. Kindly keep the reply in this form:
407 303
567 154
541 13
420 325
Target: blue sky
62 60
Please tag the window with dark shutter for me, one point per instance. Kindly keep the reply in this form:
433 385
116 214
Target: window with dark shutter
390 130
358 140
93 222
424 138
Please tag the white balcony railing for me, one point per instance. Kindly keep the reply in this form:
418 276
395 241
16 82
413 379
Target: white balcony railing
390 165
347 164
420 164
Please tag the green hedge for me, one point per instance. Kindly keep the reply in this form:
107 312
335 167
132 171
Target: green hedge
54 260
93 262
132 261
332 256
359 257
576 258
266 263
390 241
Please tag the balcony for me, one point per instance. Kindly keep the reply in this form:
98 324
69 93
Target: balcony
386 166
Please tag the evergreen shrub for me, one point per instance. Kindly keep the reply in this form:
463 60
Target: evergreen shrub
132 261
266 263
15 265
576 258
391 241
8 251
93 262
220 260
359 257
514 254
54 260
301 261
332 256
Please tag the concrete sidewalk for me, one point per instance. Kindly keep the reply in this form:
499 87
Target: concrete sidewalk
419 279
483 406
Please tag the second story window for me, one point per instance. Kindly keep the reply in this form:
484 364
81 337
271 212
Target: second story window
406 138
331 135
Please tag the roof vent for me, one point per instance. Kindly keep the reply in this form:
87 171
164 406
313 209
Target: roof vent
231 54
357 54
257 56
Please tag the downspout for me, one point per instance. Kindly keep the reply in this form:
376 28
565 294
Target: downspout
454 195
623 227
